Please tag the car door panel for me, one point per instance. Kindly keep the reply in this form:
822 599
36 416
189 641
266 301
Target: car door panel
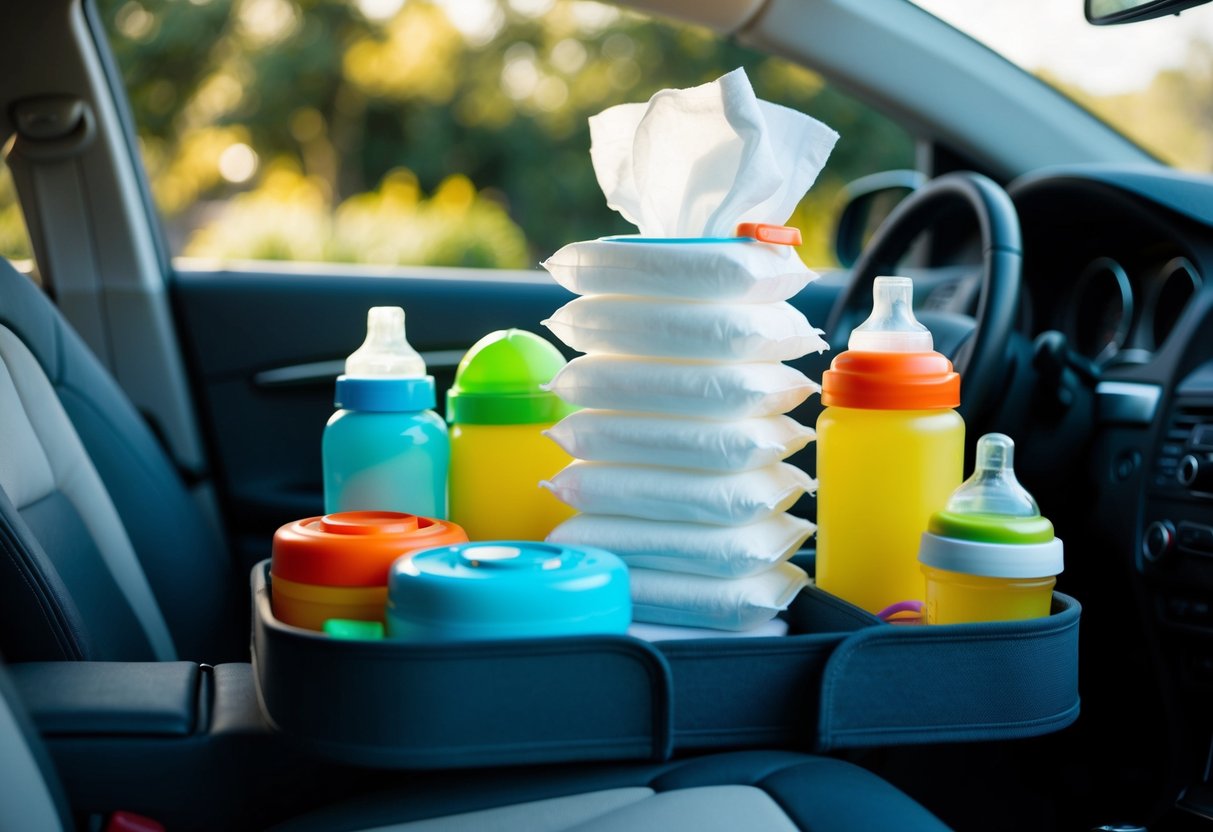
264 346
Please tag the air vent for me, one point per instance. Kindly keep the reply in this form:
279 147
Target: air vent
1190 431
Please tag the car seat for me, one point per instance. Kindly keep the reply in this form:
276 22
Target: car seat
105 557
755 791
105 554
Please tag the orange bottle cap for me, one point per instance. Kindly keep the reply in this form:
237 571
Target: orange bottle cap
890 381
780 235
354 548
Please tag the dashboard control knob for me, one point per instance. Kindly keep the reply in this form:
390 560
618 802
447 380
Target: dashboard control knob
1195 472
1158 541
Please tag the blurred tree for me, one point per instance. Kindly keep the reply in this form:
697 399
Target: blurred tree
14 241
354 97
1171 116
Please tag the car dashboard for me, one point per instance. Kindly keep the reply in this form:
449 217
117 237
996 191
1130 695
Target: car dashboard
1120 262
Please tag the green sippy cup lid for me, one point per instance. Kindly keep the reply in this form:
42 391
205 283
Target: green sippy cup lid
992 525
991 506
499 382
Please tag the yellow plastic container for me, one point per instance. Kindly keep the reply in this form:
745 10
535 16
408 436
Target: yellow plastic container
881 475
989 555
498 410
309 605
494 481
958 598
890 450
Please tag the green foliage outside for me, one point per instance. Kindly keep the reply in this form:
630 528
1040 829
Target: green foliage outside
13 241
417 132
453 132
1171 116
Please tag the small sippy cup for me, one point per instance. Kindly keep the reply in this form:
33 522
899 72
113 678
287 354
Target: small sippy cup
498 411
990 556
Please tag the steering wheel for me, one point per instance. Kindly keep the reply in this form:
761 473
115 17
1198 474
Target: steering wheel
981 357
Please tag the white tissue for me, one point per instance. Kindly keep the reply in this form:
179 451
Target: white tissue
678 494
696 162
697 601
681 329
694 548
683 388
724 271
664 632
679 442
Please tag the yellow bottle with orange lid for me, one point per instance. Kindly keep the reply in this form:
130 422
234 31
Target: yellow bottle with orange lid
890 452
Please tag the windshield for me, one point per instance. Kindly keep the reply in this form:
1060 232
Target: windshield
1152 81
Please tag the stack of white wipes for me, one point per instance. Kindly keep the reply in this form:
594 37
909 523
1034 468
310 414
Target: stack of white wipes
679 451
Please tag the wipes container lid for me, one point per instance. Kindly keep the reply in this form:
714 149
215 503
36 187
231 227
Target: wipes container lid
354 548
507 589
500 382
992 526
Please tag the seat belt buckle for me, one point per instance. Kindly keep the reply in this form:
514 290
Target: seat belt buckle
130 822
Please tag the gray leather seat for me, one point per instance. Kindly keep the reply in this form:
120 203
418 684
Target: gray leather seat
103 553
757 791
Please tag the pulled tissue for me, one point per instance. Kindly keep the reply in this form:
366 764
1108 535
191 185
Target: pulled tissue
696 162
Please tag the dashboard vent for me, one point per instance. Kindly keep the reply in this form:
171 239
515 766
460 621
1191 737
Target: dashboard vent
1190 430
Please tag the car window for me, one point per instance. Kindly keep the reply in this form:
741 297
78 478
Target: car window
14 239
442 133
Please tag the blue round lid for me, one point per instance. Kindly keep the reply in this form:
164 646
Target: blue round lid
508 583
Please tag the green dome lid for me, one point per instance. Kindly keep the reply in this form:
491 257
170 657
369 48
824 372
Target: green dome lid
499 382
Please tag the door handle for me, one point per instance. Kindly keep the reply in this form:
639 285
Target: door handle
324 372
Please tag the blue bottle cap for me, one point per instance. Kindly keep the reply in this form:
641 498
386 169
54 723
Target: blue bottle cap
385 395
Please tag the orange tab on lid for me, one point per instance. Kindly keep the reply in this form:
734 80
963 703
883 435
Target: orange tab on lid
780 235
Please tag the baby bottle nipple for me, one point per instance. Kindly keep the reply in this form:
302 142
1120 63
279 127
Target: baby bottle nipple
993 488
892 326
385 352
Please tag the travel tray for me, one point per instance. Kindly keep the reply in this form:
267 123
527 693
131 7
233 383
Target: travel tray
842 679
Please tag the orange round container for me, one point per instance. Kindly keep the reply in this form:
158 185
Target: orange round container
336 566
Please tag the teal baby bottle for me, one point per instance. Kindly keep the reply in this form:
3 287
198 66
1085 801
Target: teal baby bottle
385 449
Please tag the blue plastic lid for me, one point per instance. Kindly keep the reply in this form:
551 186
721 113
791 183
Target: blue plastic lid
385 395
508 584
634 238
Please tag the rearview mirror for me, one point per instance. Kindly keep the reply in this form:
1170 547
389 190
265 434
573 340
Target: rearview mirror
1108 12
866 204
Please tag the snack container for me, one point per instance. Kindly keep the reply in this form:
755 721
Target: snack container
336 566
507 590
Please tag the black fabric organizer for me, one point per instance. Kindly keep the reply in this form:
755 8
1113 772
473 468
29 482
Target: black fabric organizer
840 679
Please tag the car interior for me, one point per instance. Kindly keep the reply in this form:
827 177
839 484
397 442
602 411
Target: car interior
160 418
